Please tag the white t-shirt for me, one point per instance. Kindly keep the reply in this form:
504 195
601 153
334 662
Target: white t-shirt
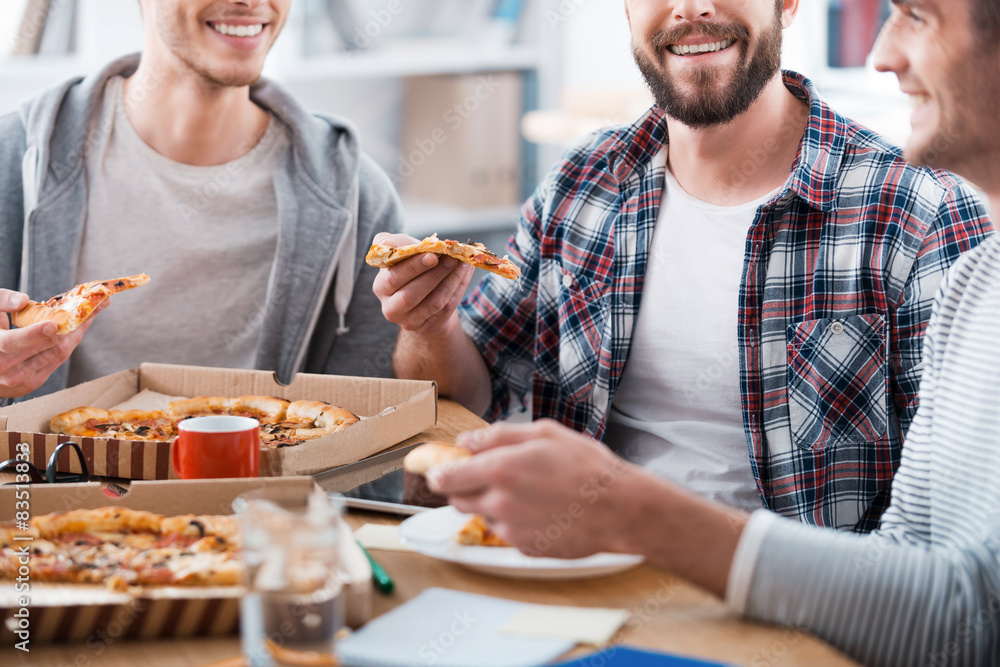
678 411
205 235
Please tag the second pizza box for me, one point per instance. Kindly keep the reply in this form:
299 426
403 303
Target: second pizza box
391 411
96 615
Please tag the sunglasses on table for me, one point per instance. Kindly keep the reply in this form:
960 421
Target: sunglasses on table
35 476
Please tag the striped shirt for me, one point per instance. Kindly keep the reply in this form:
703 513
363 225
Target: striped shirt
924 589
839 276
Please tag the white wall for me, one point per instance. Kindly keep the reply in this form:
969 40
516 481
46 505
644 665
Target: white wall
597 45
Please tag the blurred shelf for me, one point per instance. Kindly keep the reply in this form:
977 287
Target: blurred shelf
31 68
424 218
410 58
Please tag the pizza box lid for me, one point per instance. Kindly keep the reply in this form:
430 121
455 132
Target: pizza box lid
391 411
68 612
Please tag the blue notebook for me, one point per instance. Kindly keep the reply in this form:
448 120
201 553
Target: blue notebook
619 656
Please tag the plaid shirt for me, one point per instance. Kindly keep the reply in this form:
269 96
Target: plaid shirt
839 277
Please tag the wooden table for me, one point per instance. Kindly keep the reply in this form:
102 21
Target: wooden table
667 613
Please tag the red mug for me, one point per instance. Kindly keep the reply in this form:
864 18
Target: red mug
217 446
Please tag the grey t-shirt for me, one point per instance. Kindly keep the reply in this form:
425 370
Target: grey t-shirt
205 235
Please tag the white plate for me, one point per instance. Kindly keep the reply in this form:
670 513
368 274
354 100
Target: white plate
433 533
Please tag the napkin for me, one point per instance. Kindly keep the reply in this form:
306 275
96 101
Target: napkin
147 399
584 625
447 628
380 536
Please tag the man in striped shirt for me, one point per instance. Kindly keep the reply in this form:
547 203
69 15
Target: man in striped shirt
732 291
924 589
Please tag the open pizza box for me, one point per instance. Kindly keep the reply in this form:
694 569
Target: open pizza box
92 613
391 411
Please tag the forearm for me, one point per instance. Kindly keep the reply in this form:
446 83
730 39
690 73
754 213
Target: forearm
882 602
451 359
680 532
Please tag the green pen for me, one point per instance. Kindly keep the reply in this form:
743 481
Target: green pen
381 579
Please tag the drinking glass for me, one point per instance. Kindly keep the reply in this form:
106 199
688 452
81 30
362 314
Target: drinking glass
294 604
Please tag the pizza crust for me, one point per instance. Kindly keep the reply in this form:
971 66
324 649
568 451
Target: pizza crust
476 254
36 312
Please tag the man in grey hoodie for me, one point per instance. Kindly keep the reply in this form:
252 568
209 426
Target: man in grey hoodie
249 214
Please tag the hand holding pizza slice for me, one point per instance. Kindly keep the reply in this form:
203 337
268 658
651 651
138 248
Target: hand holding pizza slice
71 309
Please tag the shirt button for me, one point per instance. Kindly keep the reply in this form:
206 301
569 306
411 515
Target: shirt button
837 328
567 280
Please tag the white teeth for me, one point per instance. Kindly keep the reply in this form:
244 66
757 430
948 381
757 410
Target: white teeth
685 49
917 101
238 30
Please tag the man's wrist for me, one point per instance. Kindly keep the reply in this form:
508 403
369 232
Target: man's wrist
745 558
635 496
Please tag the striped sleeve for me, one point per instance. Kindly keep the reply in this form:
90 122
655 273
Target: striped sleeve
925 588
881 602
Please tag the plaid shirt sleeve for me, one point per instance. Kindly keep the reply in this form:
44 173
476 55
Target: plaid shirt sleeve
500 315
537 335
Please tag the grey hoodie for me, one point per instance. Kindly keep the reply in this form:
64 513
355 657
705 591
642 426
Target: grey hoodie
332 200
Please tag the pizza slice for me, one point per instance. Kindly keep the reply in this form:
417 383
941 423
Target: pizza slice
71 309
476 254
477 533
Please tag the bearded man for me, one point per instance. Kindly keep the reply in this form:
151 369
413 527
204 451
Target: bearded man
732 291
249 214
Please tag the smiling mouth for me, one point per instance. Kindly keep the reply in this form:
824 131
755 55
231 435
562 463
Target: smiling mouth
697 49
237 30
919 100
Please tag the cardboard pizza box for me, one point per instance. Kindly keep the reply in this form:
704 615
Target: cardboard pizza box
88 613
391 411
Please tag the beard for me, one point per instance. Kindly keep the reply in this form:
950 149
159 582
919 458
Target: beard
709 105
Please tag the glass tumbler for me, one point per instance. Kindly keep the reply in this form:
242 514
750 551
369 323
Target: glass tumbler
294 604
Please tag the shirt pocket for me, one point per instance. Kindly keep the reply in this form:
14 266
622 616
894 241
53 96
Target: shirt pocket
837 389
583 306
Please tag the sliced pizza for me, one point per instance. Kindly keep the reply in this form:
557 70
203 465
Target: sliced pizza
476 254
71 309
282 422
119 547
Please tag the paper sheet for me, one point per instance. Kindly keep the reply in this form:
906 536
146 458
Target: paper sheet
380 536
584 625
447 628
